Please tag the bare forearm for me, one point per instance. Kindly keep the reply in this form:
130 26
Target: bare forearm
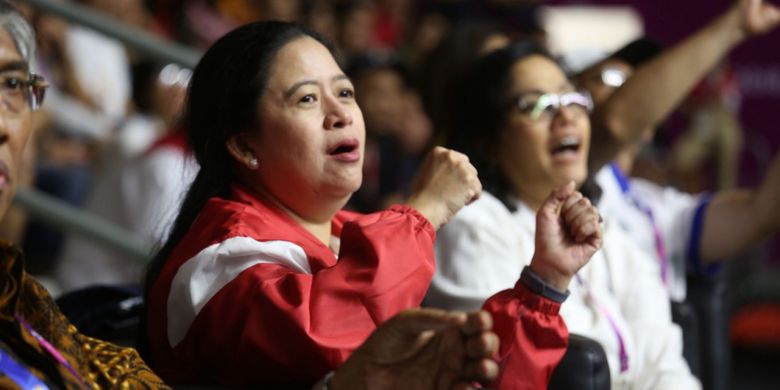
734 222
737 219
658 87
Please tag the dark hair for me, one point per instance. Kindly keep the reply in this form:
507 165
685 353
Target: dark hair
445 67
222 101
639 51
481 112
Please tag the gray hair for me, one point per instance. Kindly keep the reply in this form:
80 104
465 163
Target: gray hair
20 30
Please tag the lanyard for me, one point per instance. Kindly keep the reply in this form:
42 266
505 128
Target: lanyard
660 248
52 351
605 312
19 374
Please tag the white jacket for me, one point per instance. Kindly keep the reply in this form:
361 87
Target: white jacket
676 215
484 248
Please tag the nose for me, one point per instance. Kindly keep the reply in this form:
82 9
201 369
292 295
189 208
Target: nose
337 115
566 113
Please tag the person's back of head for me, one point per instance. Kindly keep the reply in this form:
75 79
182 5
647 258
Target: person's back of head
480 113
445 67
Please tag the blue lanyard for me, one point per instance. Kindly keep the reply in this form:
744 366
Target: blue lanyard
23 377
660 248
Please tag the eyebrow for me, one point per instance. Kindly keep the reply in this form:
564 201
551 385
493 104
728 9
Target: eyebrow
13 66
290 91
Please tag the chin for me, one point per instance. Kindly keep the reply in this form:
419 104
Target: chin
344 188
579 174
576 174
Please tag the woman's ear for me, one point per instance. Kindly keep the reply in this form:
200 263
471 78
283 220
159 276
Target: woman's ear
241 151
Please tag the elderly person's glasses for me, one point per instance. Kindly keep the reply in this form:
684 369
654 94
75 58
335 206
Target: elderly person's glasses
22 92
544 106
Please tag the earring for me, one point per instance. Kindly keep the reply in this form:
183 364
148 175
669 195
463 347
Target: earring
253 164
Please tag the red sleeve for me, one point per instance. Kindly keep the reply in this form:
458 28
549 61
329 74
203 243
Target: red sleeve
533 337
274 325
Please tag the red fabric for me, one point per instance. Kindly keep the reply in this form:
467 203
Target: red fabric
388 29
273 325
533 338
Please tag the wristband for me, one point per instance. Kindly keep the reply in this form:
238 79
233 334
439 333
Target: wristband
536 284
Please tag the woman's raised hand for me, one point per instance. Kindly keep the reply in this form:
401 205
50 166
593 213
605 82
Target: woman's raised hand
446 182
568 233
757 16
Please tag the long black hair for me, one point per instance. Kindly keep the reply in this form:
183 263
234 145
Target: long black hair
481 113
222 101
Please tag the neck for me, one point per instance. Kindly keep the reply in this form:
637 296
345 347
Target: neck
318 224
625 159
316 221
533 201
321 230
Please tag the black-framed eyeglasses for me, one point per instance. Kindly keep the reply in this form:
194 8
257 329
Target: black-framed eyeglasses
544 106
19 92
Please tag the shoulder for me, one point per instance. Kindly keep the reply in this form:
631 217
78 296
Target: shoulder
670 205
656 192
223 219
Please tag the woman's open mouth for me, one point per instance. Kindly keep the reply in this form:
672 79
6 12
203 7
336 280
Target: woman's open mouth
567 149
347 150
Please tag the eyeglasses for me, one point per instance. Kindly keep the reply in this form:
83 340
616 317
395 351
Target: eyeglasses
19 93
545 106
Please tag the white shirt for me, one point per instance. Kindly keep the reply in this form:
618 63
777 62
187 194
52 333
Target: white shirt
484 248
674 215
101 66
141 194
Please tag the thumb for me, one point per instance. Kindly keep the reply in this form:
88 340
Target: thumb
415 321
555 201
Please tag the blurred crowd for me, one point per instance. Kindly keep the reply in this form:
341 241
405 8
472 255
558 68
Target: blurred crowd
109 139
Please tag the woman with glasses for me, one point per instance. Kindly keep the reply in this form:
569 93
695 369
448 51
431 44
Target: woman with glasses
527 131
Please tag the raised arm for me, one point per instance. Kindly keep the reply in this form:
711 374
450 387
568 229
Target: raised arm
737 219
659 86
533 335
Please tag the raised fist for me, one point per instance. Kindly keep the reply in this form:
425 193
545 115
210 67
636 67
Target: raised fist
446 182
568 233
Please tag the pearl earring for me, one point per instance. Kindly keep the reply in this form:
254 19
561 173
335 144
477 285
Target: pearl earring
253 164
